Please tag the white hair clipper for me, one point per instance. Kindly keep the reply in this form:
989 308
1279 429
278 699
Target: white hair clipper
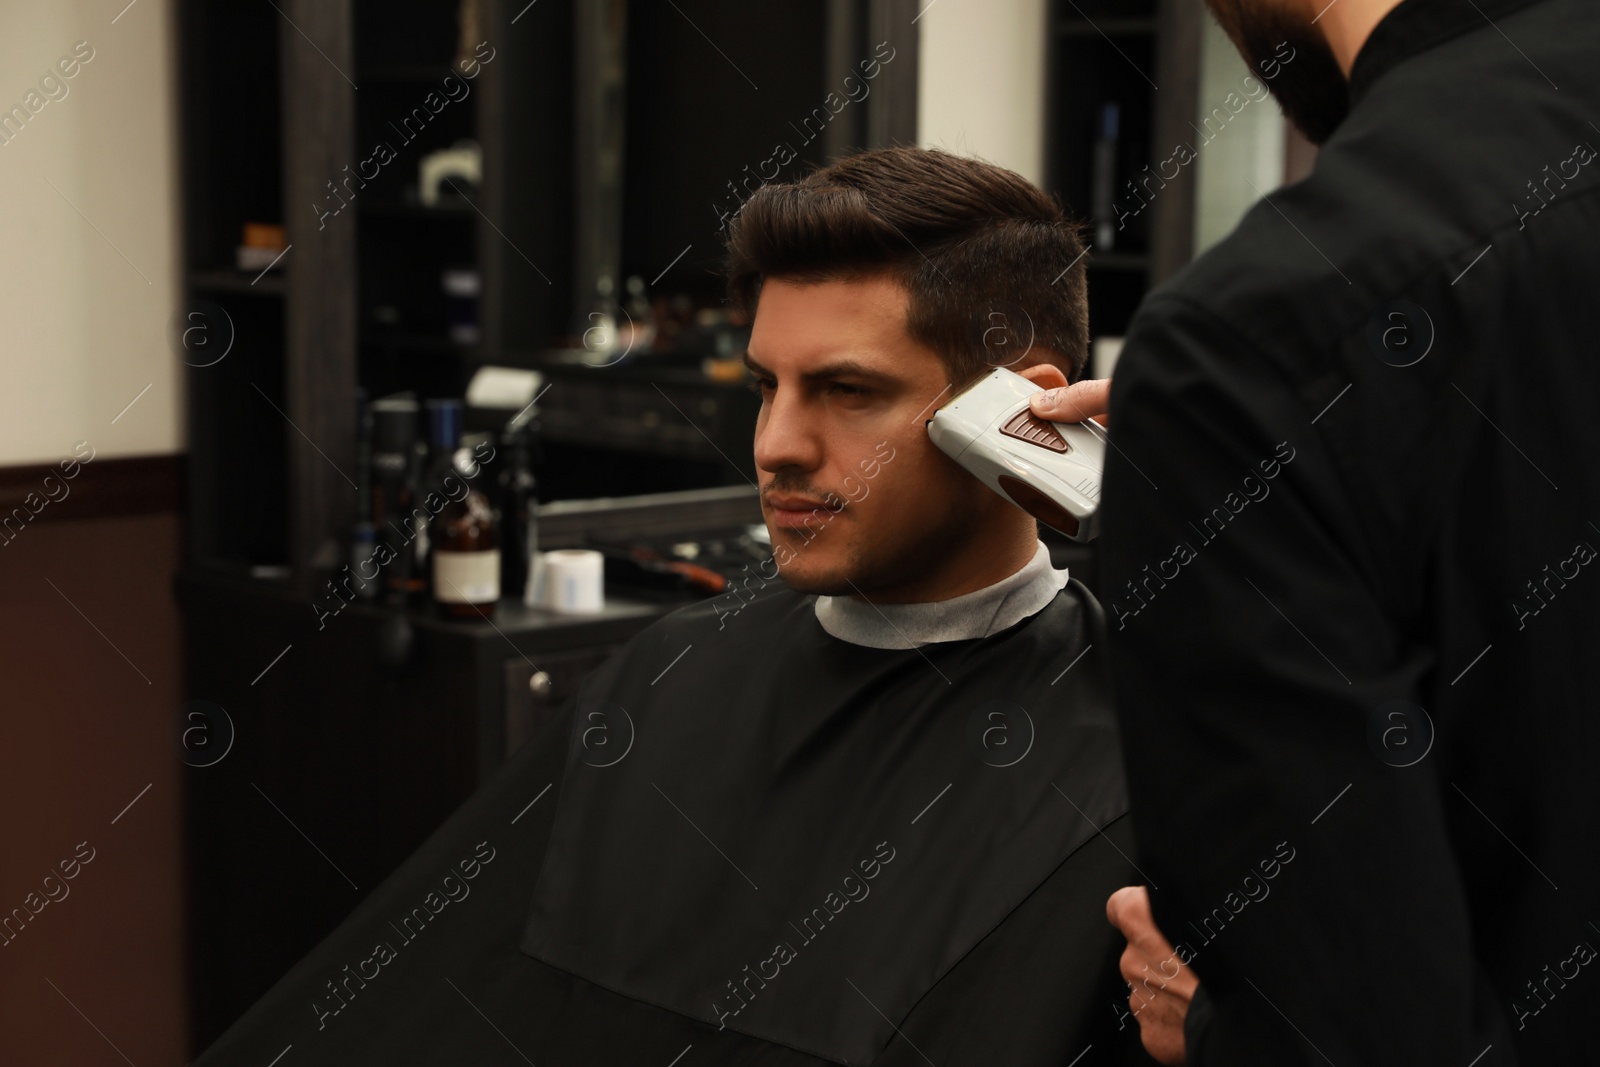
1051 470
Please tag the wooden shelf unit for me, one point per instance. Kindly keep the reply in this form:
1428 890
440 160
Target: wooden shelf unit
1103 52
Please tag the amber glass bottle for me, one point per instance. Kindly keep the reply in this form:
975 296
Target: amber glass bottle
465 545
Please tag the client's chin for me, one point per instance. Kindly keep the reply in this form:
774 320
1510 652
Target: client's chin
804 577
824 565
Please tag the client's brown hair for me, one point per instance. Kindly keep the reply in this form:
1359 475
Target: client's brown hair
976 246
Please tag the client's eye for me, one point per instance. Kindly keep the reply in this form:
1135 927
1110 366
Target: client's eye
844 389
759 386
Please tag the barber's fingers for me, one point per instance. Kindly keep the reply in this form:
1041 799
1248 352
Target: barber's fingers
1075 403
1160 1016
1157 974
1149 953
1128 909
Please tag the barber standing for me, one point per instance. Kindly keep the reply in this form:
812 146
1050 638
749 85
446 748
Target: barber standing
1351 523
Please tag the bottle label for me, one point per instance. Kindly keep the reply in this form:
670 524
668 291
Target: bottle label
466 577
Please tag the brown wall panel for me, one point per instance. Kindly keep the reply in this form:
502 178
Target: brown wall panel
90 680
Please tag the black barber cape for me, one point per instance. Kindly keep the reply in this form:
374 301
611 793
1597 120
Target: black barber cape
748 841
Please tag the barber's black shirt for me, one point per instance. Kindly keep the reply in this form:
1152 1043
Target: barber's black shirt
1350 543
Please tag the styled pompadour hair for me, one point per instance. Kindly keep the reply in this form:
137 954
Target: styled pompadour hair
993 267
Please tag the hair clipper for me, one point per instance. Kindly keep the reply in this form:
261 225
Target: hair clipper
1051 470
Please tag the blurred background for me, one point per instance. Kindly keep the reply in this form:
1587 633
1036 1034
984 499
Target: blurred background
365 380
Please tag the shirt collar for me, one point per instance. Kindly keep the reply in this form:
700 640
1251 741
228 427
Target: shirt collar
1415 26
976 614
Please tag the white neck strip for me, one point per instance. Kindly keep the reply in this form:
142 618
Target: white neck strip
976 614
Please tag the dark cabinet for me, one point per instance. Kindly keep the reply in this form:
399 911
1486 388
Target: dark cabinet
340 761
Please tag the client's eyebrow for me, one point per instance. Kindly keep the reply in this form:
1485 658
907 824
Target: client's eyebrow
840 368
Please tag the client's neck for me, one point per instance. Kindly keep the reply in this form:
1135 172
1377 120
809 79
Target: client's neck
995 552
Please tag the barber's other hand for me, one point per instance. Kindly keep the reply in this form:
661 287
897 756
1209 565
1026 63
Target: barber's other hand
1089 399
1162 984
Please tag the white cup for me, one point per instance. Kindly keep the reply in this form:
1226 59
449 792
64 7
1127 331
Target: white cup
572 581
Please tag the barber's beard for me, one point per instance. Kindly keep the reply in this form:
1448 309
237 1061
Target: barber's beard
1310 87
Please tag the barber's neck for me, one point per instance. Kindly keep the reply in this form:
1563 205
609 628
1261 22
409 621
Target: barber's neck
1346 25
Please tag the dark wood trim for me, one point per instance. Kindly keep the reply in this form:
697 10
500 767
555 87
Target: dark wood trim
1178 72
892 107
319 116
492 99
100 489
600 90
846 37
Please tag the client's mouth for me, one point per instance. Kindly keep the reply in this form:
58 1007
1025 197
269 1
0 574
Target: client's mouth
798 510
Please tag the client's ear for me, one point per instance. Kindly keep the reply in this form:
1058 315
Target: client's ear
1044 375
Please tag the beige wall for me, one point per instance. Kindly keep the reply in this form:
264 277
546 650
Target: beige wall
980 80
1243 156
83 330
981 91
92 665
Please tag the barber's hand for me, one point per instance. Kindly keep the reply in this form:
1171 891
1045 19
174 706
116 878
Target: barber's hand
1075 403
1162 984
